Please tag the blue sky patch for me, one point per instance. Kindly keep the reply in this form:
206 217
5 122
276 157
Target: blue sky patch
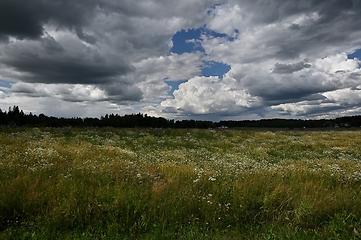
5 84
356 54
187 41
215 69
174 84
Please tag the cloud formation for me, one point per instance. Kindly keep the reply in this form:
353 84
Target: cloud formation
286 58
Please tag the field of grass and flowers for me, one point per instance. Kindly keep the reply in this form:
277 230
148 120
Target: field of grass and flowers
109 183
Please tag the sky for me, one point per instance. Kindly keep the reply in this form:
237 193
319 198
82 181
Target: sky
192 59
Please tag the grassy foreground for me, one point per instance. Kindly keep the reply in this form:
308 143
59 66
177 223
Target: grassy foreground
179 184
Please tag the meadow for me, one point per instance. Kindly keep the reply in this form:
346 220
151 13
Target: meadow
107 183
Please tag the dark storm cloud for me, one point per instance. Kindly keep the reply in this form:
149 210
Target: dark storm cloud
41 58
65 70
19 19
51 46
283 94
23 88
314 109
84 36
26 19
169 110
288 89
355 76
123 90
272 11
335 21
289 68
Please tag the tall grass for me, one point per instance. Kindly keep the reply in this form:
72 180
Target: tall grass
179 184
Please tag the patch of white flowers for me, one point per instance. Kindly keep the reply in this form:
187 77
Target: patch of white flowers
211 153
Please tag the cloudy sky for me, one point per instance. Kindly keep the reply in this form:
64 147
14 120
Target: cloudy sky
190 59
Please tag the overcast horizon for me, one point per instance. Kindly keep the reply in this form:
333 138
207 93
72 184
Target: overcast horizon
192 59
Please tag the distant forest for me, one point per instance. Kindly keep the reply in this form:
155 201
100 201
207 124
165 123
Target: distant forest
16 117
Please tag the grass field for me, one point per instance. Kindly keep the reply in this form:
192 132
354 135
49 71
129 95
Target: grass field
179 184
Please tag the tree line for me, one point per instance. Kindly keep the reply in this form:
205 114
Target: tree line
16 117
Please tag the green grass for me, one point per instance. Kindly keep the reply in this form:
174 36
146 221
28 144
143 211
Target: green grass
179 184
